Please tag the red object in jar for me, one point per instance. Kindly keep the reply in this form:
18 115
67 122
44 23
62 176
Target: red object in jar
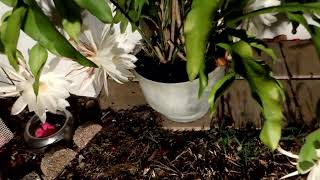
45 130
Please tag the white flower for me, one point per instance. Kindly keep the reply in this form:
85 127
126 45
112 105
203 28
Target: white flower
109 49
53 90
256 25
314 171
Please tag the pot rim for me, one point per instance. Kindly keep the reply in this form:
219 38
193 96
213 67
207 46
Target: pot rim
139 76
65 113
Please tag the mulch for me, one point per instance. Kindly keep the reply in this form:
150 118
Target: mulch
132 145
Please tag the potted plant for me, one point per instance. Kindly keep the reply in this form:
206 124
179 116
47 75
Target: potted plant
225 31
214 35
161 67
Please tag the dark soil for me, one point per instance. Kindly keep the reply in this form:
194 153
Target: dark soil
166 73
171 72
132 145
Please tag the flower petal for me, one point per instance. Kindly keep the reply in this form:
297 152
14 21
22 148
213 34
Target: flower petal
314 173
18 106
295 173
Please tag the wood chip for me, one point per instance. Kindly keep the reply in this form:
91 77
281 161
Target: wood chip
85 133
53 163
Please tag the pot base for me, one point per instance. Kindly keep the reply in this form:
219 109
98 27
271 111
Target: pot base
186 119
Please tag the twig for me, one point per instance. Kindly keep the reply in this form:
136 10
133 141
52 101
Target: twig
162 14
172 31
178 16
295 100
173 20
159 54
164 166
181 56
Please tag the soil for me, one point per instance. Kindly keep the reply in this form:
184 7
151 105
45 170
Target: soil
132 145
170 72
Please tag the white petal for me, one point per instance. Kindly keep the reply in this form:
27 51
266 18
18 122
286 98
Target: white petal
287 153
295 173
98 81
105 84
7 88
94 26
41 106
87 83
11 94
29 96
51 104
62 104
18 106
42 117
314 173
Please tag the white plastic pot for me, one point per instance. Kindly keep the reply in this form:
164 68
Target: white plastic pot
179 101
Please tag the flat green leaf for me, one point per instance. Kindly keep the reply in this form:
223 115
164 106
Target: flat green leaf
10 35
219 88
38 56
138 5
197 26
225 46
124 25
307 155
118 17
265 89
271 132
243 49
36 85
11 3
265 49
39 27
3 28
98 8
71 17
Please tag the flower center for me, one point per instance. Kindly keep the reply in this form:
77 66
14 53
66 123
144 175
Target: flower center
86 50
43 87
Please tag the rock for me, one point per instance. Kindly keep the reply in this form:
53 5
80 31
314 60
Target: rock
85 133
31 176
53 163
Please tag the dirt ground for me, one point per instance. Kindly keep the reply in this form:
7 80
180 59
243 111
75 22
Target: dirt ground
132 145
